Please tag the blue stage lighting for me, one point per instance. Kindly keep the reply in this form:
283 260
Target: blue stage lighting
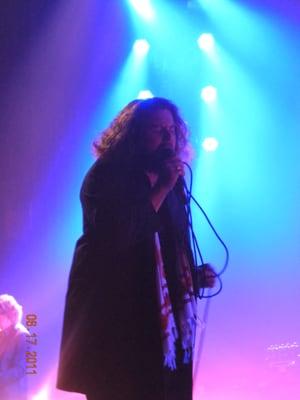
209 94
145 94
143 8
206 42
141 47
210 144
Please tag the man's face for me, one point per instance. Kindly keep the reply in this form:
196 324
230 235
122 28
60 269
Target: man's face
160 131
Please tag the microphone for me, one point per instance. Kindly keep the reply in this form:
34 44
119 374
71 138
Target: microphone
155 162
158 159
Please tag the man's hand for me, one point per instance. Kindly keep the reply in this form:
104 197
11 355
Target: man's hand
173 168
167 177
206 276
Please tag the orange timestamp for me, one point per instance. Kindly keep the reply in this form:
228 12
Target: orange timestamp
31 340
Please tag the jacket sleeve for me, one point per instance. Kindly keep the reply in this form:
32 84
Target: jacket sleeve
117 209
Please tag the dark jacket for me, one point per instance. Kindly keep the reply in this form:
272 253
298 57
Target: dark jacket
111 332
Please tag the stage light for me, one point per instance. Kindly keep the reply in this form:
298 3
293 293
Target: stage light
209 94
141 47
210 144
145 94
143 8
206 42
43 394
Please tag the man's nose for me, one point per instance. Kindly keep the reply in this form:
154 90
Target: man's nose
166 135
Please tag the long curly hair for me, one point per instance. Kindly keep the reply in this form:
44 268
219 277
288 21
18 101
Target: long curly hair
123 139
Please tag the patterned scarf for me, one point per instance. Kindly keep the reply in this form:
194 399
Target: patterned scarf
187 310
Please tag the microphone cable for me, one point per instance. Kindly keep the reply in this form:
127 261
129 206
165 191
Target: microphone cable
195 246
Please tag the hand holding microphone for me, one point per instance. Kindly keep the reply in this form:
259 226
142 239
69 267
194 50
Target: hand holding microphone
168 166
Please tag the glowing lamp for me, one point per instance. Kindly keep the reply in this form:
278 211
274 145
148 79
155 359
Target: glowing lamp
143 8
210 144
141 47
145 94
209 94
206 42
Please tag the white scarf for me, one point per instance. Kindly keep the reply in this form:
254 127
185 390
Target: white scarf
187 310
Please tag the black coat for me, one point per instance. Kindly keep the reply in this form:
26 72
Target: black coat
111 332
